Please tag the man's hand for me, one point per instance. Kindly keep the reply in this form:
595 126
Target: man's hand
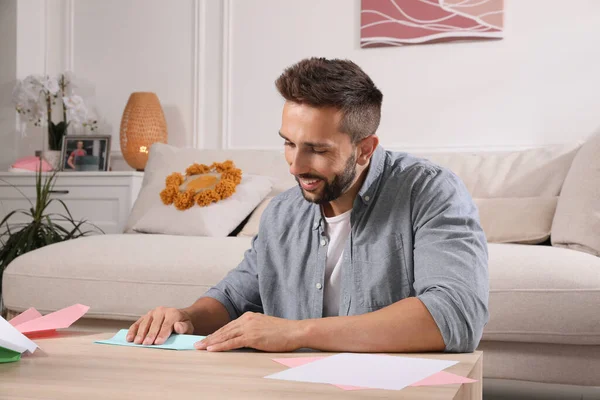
157 325
257 331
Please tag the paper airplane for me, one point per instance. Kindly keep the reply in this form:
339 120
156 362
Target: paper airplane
12 339
32 322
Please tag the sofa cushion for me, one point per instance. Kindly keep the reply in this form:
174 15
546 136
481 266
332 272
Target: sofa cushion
164 159
577 221
525 220
543 294
120 276
537 293
537 172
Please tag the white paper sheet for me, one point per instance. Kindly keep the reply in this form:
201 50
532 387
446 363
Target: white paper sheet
12 339
366 370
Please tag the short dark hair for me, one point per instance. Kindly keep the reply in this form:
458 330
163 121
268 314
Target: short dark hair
319 82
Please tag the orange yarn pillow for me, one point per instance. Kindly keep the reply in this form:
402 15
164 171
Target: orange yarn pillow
201 185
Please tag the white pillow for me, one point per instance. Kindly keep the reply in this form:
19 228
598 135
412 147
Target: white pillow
216 220
164 159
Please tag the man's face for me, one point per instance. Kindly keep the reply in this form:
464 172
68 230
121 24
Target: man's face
322 159
79 145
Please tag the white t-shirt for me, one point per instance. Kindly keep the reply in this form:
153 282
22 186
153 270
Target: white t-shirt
337 229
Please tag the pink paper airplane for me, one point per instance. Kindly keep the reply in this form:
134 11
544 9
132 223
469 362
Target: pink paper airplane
27 315
440 378
32 322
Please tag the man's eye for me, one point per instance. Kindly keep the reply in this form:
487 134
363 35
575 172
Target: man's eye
290 144
319 152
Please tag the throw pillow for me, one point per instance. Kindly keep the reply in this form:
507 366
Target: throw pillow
215 220
526 220
163 159
510 220
250 229
577 222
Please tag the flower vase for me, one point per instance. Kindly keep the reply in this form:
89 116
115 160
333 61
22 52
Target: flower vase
53 158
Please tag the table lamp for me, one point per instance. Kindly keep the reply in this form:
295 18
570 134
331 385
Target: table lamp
143 123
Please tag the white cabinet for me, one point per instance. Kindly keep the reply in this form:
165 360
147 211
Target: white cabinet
102 198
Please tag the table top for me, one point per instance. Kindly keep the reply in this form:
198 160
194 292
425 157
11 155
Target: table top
68 365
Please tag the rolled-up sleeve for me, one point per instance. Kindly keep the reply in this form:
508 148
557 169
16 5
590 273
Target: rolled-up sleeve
239 290
450 258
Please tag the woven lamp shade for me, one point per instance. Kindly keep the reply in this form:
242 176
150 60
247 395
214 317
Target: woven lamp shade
143 123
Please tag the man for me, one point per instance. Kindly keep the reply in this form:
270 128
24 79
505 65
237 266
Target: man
374 251
78 152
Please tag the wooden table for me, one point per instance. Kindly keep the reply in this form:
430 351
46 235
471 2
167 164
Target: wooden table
70 366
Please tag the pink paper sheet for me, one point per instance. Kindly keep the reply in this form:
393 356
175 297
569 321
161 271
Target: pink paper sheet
27 315
443 378
440 378
57 320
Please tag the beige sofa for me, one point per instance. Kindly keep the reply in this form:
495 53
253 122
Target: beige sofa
540 209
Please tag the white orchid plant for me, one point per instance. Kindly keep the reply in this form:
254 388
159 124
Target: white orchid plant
35 96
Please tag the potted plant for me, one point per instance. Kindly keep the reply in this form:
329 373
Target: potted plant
41 228
34 98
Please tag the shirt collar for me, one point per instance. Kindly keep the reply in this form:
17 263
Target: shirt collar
369 186
373 175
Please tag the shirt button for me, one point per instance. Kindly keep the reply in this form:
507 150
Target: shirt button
319 286
367 198
323 242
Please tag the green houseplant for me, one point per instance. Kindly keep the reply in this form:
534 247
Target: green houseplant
41 227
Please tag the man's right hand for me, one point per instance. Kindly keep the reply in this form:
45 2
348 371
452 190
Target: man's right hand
157 325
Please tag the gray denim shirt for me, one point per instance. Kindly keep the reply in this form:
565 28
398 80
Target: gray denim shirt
415 232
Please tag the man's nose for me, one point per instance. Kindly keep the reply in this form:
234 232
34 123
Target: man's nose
298 165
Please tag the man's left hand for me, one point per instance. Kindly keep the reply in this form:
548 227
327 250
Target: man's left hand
256 331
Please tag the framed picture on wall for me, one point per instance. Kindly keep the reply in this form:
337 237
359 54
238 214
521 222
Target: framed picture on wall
85 153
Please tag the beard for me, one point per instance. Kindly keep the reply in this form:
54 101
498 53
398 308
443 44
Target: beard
334 189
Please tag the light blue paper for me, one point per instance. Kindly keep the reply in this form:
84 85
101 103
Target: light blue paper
174 342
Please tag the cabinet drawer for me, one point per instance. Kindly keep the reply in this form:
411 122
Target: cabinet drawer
102 206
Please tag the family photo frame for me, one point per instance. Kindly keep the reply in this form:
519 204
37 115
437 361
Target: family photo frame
85 153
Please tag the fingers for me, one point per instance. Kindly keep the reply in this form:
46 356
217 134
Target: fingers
133 329
170 325
158 318
185 327
228 332
231 344
143 329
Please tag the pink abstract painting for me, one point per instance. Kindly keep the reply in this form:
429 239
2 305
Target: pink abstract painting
409 22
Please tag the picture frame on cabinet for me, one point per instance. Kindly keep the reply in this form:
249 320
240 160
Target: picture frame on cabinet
85 153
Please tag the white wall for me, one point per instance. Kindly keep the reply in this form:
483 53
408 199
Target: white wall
212 64
8 74
539 85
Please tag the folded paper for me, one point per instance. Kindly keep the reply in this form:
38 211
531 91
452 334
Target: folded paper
31 321
365 370
174 342
440 378
12 339
7 355
27 315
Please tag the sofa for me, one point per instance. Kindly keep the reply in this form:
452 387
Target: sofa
540 210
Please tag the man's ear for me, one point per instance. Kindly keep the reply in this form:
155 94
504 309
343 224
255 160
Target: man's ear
366 148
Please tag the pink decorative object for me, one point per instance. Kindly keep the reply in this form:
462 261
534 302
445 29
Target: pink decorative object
30 324
31 163
404 22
